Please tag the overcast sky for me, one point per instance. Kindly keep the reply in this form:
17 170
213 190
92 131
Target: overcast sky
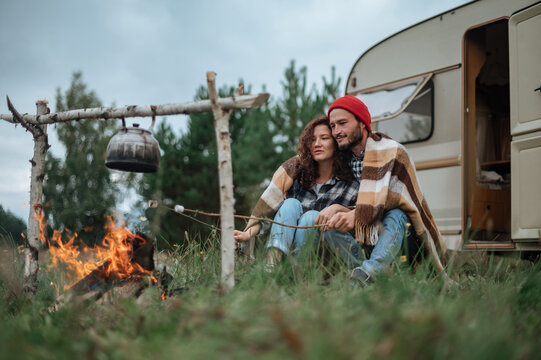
158 52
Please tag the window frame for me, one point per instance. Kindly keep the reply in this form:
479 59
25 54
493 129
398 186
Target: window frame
422 82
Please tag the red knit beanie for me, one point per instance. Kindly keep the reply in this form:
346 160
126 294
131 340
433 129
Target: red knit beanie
354 106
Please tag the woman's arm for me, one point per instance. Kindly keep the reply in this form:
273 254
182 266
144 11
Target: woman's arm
274 194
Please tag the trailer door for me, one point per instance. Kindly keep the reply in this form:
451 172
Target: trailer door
525 96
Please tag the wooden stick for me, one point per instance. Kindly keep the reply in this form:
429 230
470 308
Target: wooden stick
244 217
31 282
229 103
225 172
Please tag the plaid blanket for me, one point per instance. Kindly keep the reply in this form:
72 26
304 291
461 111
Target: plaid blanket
388 181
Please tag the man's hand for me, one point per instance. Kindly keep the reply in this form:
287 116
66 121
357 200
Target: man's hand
326 214
342 221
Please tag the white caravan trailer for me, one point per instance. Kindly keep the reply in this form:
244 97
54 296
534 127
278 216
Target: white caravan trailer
462 91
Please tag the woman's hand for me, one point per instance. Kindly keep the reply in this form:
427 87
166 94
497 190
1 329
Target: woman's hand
243 236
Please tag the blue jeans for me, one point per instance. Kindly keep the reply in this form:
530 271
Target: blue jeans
386 249
290 213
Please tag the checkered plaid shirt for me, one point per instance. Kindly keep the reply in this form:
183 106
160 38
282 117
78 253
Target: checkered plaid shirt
356 164
334 191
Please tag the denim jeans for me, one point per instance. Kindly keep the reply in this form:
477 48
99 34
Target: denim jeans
286 238
389 243
390 240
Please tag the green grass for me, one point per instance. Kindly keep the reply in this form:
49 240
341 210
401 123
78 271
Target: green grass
298 311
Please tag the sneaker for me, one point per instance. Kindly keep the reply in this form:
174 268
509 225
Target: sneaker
360 278
269 268
273 257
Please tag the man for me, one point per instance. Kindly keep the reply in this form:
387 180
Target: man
389 197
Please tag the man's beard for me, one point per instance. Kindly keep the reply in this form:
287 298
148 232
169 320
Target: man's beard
354 140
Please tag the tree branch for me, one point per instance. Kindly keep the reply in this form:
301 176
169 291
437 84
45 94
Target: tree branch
18 119
229 103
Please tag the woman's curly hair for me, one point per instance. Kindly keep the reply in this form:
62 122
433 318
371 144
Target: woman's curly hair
307 167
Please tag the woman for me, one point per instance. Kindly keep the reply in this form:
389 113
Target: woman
316 184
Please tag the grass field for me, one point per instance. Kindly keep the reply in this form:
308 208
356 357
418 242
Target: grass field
298 311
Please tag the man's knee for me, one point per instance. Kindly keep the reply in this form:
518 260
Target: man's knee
397 215
395 220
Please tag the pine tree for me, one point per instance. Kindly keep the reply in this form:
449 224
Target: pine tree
298 106
187 176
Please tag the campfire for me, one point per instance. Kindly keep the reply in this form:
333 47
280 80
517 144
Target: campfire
123 262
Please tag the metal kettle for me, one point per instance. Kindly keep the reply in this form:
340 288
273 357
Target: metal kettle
133 149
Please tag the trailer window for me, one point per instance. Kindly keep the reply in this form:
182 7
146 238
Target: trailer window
403 111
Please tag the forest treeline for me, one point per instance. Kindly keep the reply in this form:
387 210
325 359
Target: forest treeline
79 191
11 227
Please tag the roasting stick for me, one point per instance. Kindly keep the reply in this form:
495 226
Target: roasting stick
179 209
194 219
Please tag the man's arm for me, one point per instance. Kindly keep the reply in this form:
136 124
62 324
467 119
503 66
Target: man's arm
342 221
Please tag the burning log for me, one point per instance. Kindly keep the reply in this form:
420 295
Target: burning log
121 267
109 281
103 277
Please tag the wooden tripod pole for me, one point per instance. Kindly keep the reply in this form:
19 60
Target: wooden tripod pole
225 171
41 145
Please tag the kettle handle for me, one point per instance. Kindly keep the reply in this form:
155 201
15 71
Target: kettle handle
153 122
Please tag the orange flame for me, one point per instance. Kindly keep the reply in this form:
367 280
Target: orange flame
111 258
